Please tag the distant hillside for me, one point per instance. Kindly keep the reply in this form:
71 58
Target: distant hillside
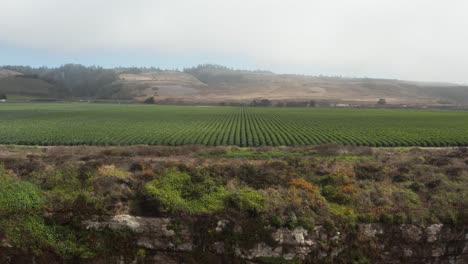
221 83
18 85
214 83
7 73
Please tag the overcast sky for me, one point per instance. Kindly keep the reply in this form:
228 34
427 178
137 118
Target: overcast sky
423 40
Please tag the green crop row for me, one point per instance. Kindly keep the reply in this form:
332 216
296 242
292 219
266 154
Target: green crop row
94 124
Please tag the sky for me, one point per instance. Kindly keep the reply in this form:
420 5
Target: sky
424 40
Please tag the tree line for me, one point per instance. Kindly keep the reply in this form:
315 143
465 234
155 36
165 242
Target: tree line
71 80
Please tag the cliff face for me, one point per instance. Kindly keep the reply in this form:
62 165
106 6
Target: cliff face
172 240
198 205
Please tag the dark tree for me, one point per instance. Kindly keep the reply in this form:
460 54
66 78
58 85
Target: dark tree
381 101
149 100
263 102
71 80
3 96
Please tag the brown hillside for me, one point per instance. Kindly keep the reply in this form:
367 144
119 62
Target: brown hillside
222 84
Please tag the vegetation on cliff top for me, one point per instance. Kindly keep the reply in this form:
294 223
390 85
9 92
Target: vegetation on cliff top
45 198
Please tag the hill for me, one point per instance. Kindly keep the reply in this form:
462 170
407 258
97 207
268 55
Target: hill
215 84
7 73
18 85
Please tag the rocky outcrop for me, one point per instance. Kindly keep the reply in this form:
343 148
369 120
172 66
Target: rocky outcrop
151 233
183 240
436 243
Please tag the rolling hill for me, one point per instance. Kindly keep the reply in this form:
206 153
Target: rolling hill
18 85
214 84
211 83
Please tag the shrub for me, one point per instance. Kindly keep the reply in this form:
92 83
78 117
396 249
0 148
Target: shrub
400 218
174 191
312 191
369 170
247 200
386 218
149 100
31 233
345 214
329 226
306 222
18 197
22 225
292 220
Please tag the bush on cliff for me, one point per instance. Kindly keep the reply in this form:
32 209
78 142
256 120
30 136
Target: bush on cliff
176 191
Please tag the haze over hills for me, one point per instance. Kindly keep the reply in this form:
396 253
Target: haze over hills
214 84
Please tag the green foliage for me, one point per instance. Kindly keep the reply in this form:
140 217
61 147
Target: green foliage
176 191
22 223
345 214
18 197
31 233
149 100
95 124
68 190
248 200
71 79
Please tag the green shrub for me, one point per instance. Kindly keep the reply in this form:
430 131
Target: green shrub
176 191
329 225
248 200
292 220
18 197
307 223
67 191
31 233
23 226
400 218
386 218
345 214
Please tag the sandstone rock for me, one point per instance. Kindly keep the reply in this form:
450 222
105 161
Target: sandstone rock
320 233
145 242
124 221
219 247
185 247
221 225
262 250
295 237
411 232
159 235
407 252
369 231
433 231
164 259
5 244
438 251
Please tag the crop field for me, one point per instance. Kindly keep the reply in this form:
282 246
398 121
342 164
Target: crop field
99 124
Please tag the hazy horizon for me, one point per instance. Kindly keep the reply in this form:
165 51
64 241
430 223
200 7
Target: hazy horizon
416 41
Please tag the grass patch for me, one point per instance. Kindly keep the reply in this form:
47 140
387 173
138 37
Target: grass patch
252 153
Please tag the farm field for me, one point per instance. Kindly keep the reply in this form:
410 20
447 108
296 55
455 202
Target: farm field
101 124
